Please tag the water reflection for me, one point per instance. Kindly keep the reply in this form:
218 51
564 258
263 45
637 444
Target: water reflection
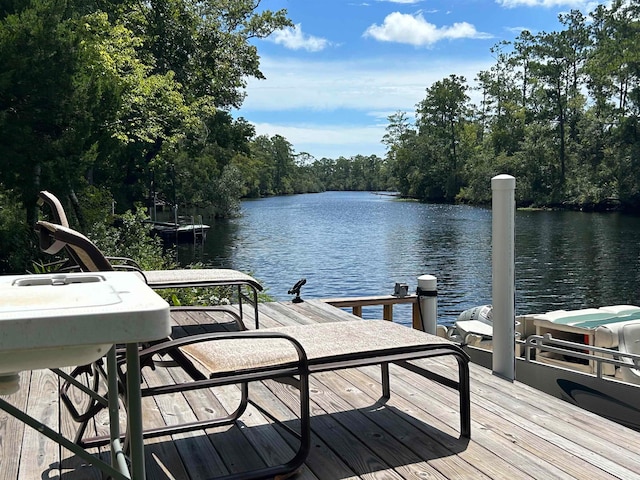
574 259
356 243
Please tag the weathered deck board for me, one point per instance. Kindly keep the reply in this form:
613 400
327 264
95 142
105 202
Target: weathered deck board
541 421
12 431
37 449
526 449
517 432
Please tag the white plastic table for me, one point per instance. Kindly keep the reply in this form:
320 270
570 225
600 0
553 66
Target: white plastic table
58 320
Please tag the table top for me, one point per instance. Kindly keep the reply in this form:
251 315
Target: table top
58 310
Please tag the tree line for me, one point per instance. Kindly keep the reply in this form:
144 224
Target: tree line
558 110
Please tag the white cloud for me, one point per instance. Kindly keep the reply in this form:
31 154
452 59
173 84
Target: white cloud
401 1
334 108
365 85
294 39
519 30
415 30
330 141
545 3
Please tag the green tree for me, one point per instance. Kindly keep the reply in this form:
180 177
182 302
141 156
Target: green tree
207 47
107 92
47 99
441 117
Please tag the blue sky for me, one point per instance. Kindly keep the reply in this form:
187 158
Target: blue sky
333 79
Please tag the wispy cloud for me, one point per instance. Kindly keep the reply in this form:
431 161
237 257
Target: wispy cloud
330 141
401 1
519 30
415 30
366 85
294 39
299 96
546 3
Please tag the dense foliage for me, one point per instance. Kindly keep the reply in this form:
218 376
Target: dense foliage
132 96
558 110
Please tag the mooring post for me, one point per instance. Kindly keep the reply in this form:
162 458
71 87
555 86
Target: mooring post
428 302
503 277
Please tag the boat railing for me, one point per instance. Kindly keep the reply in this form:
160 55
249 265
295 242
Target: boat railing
386 301
596 356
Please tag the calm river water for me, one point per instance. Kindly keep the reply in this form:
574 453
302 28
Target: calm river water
360 243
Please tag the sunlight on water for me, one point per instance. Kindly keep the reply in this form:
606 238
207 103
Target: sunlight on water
358 244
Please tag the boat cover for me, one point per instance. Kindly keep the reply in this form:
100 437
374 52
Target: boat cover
592 317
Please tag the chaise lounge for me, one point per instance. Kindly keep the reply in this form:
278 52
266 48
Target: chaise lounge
288 352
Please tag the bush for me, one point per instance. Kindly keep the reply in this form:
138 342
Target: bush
17 241
129 236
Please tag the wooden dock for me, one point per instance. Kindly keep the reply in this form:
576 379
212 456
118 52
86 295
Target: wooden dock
517 432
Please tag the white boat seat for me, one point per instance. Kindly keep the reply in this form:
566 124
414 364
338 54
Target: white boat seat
474 326
607 336
629 342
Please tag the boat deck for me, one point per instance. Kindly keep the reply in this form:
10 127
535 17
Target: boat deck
517 432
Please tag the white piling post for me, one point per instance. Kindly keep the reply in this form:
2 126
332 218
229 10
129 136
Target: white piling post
428 298
503 279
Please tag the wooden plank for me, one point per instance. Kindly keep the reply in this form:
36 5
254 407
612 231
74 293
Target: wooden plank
393 452
258 430
233 451
162 460
197 454
529 447
560 415
517 432
12 431
416 408
322 460
161 455
72 466
353 450
265 398
204 321
542 413
488 430
370 301
39 453
329 436
403 428
240 449
575 439
322 312
277 314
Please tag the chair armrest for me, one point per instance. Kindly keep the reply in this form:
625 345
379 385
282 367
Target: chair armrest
124 261
130 268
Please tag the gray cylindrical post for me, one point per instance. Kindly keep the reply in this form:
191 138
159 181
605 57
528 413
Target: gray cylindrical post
428 298
503 276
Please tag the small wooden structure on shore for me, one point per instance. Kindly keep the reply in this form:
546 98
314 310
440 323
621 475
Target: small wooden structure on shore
517 432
